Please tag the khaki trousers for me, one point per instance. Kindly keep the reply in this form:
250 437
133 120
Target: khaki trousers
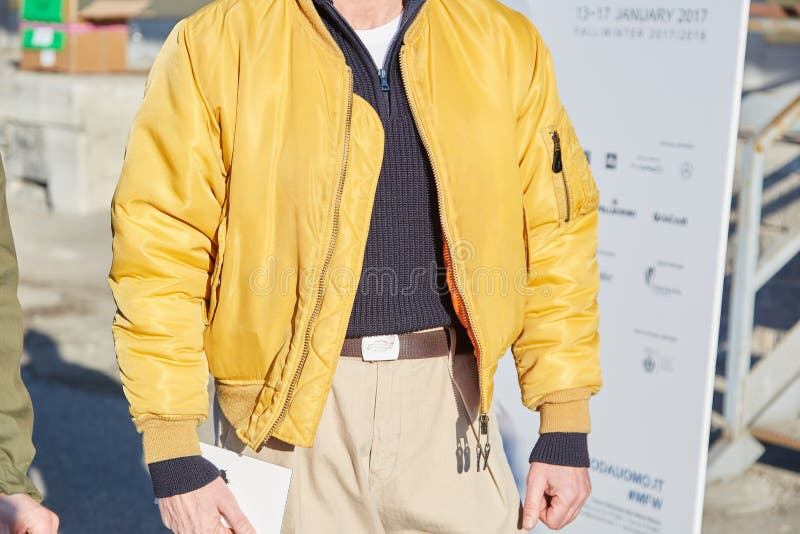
395 452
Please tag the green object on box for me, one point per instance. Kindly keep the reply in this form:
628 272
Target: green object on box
43 10
43 38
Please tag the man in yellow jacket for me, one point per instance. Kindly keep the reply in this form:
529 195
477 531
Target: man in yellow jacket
347 212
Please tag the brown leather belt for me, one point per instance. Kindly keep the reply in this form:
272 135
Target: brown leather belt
415 345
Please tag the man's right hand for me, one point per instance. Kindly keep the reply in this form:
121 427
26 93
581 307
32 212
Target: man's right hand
19 514
201 511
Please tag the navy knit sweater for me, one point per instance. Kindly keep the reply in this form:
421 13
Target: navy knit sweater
403 285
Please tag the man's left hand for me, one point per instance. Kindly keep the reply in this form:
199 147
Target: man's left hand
555 494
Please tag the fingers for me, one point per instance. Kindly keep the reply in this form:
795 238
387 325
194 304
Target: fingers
574 510
534 500
586 491
570 490
230 510
555 516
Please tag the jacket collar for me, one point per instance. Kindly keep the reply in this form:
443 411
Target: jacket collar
409 7
308 7
309 10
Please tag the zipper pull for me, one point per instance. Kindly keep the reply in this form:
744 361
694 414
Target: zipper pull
384 76
484 431
558 165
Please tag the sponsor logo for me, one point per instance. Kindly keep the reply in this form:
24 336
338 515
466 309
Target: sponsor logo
687 169
617 210
612 160
648 164
654 361
670 219
661 278
606 267
651 334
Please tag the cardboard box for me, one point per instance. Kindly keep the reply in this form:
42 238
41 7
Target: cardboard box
75 48
77 36
65 11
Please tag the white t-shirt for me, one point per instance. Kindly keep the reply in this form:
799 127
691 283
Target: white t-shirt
377 40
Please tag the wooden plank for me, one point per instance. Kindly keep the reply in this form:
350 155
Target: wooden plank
785 3
776 30
106 10
174 8
767 10
779 9
784 434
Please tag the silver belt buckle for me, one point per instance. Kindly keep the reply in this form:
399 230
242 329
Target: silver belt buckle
380 348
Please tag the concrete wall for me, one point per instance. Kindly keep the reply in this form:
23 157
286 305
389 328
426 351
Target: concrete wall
67 132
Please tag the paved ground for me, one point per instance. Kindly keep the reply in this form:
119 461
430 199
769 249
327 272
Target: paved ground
766 500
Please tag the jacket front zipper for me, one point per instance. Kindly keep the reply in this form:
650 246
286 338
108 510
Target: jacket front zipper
484 415
558 168
325 265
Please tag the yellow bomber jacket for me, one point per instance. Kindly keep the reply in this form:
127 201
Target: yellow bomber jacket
241 216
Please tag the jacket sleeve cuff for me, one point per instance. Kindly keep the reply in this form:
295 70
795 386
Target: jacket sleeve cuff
165 440
562 448
181 475
13 482
571 416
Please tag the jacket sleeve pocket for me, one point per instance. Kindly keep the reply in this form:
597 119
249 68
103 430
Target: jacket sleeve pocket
574 187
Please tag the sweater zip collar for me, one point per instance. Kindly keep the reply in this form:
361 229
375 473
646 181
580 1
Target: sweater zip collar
378 74
410 10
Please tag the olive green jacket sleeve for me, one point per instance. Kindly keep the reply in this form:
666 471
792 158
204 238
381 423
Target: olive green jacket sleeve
16 412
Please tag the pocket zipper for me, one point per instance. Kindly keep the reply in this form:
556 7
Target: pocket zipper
558 168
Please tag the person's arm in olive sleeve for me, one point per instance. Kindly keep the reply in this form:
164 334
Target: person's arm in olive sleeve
16 412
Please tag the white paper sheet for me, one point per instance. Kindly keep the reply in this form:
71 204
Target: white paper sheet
260 488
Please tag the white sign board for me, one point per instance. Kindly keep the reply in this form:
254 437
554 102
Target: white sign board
653 89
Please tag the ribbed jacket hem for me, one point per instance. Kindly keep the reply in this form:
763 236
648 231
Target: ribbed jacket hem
166 439
571 416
